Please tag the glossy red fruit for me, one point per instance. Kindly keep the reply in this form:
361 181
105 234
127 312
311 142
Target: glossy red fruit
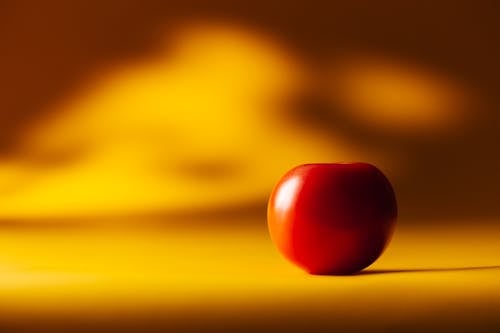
332 218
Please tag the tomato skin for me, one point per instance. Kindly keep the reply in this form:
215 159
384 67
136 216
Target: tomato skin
332 218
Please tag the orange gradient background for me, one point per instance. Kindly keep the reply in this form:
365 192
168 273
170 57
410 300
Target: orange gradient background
139 141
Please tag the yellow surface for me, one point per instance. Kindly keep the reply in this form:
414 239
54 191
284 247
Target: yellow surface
433 276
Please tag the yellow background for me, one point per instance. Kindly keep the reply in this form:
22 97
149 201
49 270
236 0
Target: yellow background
139 141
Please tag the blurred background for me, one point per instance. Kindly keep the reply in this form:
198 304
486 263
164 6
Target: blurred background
194 109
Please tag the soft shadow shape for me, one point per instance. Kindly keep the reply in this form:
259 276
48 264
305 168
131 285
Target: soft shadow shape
426 270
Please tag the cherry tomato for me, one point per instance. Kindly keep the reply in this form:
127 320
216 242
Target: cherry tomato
332 218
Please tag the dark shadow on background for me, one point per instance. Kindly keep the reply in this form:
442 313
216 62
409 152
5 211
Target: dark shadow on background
250 214
427 270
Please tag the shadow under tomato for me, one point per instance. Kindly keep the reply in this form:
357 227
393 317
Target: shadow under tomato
426 270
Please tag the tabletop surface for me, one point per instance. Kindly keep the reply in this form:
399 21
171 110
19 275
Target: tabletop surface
433 276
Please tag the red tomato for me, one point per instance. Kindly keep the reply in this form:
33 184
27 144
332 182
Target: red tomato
332 218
